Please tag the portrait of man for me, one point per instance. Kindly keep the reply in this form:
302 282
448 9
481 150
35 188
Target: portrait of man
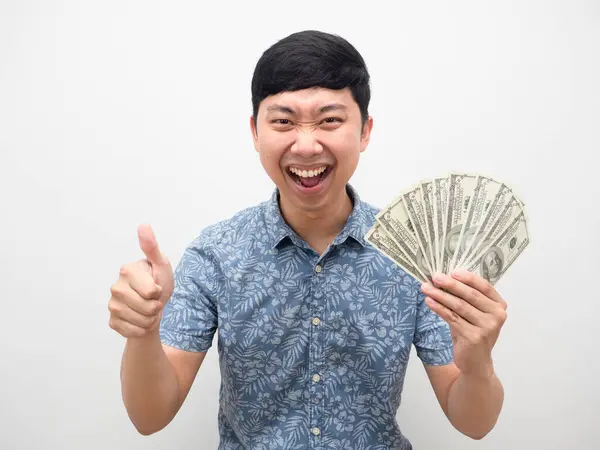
492 264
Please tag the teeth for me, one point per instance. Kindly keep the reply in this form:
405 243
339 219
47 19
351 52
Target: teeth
308 173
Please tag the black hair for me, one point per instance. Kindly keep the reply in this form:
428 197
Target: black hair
311 59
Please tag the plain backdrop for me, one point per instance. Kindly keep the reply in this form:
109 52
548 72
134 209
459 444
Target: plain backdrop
117 113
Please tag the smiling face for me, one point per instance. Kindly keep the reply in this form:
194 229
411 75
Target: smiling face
309 143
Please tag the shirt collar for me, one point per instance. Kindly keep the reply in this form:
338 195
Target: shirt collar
356 227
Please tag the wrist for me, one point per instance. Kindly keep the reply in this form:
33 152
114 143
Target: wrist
483 372
151 338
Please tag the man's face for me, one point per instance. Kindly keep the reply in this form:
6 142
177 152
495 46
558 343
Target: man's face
493 263
309 143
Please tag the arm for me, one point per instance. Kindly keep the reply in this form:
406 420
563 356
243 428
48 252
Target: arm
155 378
469 391
471 403
155 381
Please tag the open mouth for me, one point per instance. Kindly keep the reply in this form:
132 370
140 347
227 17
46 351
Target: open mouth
309 178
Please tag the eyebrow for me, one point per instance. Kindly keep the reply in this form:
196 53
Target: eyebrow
323 109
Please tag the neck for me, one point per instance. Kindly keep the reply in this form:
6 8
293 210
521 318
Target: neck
318 228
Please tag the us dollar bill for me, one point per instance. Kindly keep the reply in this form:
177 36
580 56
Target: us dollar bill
498 256
510 211
460 192
427 195
440 201
395 220
493 211
484 193
380 239
414 204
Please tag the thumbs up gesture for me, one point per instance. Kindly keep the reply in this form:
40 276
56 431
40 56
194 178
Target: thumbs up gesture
142 290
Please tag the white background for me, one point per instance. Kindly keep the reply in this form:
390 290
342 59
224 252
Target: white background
115 113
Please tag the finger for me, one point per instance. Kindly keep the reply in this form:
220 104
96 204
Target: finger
465 292
149 245
480 284
456 322
124 293
123 312
141 281
455 304
126 329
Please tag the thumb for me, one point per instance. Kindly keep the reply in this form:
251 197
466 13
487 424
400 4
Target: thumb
149 245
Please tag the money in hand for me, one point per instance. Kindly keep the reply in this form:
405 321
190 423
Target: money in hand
461 220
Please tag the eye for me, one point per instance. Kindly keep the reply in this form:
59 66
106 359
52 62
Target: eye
332 120
281 121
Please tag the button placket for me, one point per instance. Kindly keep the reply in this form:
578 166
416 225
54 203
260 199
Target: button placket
316 388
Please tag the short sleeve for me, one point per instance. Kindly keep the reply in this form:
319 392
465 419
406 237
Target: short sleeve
190 317
432 339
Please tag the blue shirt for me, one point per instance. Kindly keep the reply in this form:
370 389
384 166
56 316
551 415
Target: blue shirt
313 349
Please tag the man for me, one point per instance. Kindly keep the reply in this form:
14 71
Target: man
314 325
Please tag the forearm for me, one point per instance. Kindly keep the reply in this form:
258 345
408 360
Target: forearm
474 404
149 384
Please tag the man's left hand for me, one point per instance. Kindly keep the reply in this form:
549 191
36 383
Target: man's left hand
475 312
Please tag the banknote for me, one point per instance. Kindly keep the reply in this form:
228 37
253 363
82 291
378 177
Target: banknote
464 220
511 210
396 221
414 204
427 195
440 200
500 198
484 193
460 191
499 255
379 238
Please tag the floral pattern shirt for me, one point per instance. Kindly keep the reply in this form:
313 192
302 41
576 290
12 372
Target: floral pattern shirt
313 349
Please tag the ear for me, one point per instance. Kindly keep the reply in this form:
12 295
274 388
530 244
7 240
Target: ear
254 132
366 134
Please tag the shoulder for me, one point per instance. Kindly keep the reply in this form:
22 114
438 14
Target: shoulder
230 232
219 244
370 210
367 216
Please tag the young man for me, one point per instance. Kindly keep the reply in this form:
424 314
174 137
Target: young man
314 325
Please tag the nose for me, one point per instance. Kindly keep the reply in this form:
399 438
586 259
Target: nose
306 144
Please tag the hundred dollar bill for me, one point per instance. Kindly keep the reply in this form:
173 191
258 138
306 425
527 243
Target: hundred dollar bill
483 194
493 211
440 200
395 220
499 255
427 195
510 211
379 239
460 192
413 202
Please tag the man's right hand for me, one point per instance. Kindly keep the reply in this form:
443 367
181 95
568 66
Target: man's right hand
142 290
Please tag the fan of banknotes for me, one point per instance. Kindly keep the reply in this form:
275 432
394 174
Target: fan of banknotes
460 220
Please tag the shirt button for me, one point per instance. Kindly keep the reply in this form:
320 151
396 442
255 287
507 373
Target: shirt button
316 321
318 268
316 431
316 378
